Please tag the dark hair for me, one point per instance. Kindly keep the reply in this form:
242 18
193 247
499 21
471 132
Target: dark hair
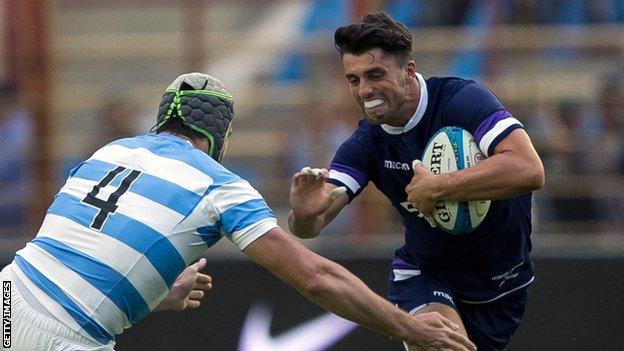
175 125
376 30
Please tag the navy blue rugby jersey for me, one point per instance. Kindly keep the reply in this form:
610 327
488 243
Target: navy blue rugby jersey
496 254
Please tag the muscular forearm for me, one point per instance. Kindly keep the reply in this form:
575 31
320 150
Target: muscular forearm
501 176
327 283
342 293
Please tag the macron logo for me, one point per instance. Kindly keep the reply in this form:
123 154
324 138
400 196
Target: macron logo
444 295
317 334
396 165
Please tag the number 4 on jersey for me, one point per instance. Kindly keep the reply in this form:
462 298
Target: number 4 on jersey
109 205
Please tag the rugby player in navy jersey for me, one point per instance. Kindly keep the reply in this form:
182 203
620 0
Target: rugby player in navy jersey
120 238
478 280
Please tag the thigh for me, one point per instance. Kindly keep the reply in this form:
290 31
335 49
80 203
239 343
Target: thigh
416 293
491 325
409 289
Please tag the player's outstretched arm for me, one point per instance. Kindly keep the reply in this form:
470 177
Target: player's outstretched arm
314 203
188 289
336 289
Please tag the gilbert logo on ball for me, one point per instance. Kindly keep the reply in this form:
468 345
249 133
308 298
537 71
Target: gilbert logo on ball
452 149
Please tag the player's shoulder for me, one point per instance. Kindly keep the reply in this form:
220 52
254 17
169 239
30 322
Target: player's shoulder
462 96
359 143
167 147
364 132
450 85
218 172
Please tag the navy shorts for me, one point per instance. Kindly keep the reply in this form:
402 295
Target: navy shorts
489 325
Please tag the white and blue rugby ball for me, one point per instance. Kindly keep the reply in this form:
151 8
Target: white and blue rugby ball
452 149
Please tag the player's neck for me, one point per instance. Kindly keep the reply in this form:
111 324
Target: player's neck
410 105
196 144
410 113
406 112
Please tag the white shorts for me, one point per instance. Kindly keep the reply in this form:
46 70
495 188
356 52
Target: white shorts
31 330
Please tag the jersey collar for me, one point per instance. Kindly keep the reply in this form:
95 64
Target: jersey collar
174 137
418 114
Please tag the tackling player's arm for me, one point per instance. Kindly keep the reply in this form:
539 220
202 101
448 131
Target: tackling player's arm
336 289
314 202
513 169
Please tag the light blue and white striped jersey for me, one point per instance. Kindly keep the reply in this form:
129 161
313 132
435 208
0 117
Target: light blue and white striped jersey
124 226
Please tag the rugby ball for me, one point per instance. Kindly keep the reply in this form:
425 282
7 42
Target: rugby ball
452 149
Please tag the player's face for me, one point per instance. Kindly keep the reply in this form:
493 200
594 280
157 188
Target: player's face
386 92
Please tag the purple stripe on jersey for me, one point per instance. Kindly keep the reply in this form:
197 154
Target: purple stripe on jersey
489 123
398 263
354 173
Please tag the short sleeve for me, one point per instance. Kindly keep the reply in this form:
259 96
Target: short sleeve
476 109
243 214
351 164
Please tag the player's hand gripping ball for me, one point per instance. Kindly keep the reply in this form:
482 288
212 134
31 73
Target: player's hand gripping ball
449 150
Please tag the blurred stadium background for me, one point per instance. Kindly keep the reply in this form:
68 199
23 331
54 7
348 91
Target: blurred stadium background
75 74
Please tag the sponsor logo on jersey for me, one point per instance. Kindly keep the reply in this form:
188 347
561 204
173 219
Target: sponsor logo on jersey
409 207
396 165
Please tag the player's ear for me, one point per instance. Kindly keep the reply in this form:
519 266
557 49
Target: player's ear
410 69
